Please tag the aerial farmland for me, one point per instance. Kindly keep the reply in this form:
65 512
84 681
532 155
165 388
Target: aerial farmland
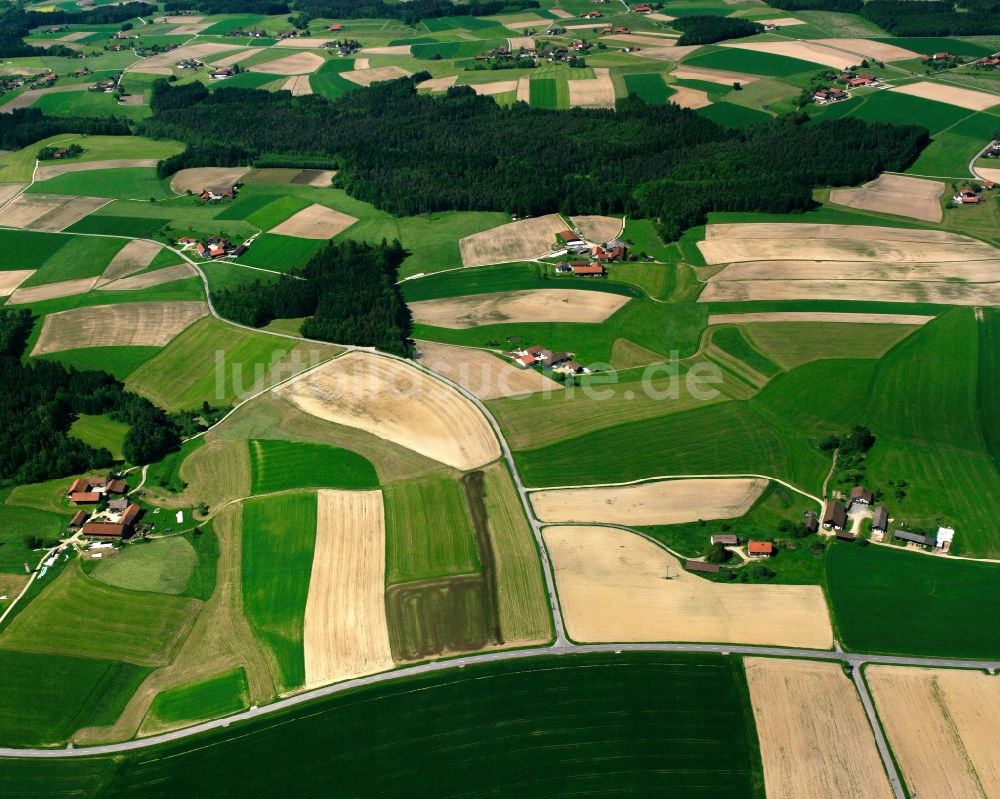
514 397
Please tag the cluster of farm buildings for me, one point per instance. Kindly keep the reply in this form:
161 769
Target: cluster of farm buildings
972 195
849 80
755 550
600 254
115 515
835 519
560 362
212 247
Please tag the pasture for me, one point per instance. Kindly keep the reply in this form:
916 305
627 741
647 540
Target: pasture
680 711
78 257
100 431
279 535
76 615
207 699
650 87
428 530
284 465
859 580
163 567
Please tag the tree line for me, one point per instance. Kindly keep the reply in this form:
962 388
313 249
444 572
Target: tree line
25 126
42 398
843 6
932 18
409 12
408 153
706 29
347 291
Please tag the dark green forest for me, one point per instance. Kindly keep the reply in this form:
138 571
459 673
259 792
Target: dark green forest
408 153
40 401
931 18
708 28
25 126
348 291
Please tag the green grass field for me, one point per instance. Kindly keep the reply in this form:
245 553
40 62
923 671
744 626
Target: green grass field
791 344
263 211
544 93
752 62
428 530
281 465
24 249
280 253
731 341
279 534
119 361
134 183
888 600
76 615
45 698
100 431
219 363
79 257
327 81
650 87
18 166
730 115
904 109
17 522
164 566
630 725
208 699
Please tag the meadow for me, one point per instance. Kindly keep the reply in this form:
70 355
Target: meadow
284 465
79 257
752 62
164 566
100 431
629 725
888 600
650 87
428 530
208 699
279 535
18 522
136 183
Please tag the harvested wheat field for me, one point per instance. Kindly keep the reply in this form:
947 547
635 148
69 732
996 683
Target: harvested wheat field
726 244
598 228
366 77
10 190
895 194
942 726
295 64
318 178
481 372
658 502
646 40
942 293
166 60
804 51
52 291
515 241
235 58
520 25
362 63
12 278
988 174
669 53
133 257
157 277
952 95
302 43
880 51
596 93
820 316
27 98
533 305
781 22
438 84
345 633
298 85
687 97
395 49
711 75
47 172
517 42
69 213
494 87
396 401
562 13
180 20
524 89
815 740
51 212
952 271
618 586
315 222
660 17
203 177
75 36
190 29
134 324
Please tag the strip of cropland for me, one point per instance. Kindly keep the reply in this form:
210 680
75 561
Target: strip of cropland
630 725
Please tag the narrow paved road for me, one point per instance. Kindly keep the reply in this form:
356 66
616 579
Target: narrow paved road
855 660
883 747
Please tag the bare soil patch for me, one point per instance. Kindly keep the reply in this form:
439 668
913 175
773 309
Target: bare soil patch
495 87
47 172
967 271
26 208
598 228
618 586
515 241
191 29
596 93
181 20
167 60
660 17
686 97
67 213
646 39
516 42
133 257
660 502
203 177
396 401
481 372
9 191
916 198
941 724
805 51
675 53
157 277
719 76
298 85
885 291
523 24
880 51
235 58
524 89
318 178
535 305
807 316
782 22
52 291
952 95
363 63
366 77
303 43
395 49
12 278
296 64
438 84
988 174
815 740
315 222
149 324
345 633
75 36
562 13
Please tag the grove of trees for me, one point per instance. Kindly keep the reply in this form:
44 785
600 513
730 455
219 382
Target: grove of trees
707 28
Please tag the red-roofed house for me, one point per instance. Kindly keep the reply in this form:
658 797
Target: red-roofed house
85 498
760 549
588 270
78 486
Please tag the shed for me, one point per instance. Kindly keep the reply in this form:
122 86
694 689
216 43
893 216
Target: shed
880 519
701 566
85 498
79 518
861 495
726 540
812 523
835 517
103 530
914 538
117 487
